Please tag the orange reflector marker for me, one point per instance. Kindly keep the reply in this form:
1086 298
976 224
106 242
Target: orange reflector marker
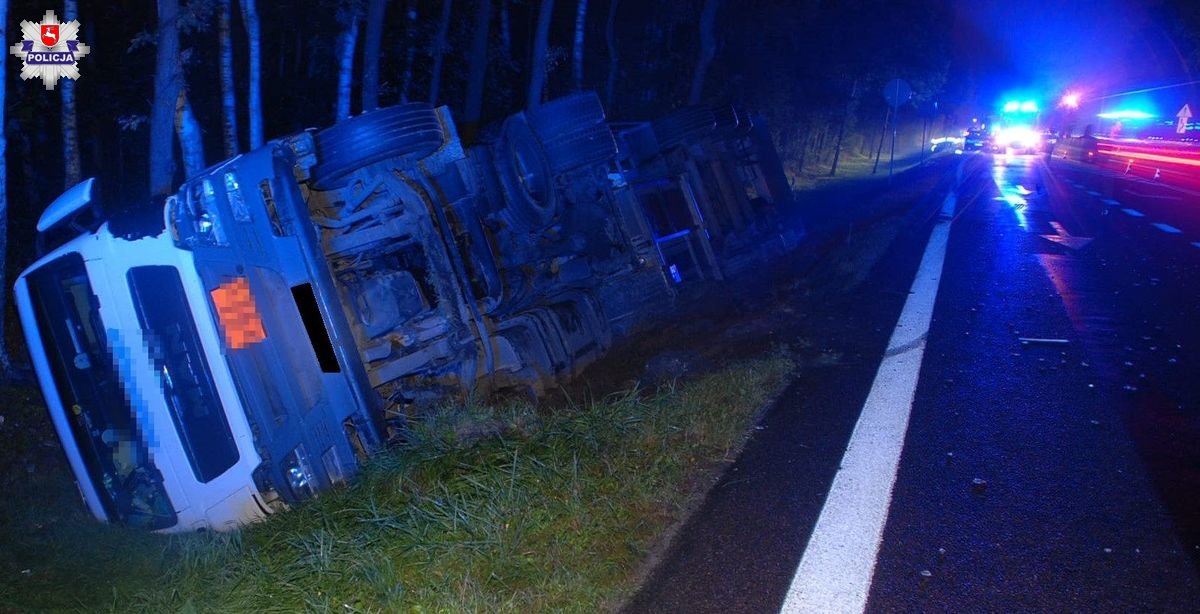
238 314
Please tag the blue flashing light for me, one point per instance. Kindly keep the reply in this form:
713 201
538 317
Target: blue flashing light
1011 106
1029 106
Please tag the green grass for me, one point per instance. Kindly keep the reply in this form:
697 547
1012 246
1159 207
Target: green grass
549 511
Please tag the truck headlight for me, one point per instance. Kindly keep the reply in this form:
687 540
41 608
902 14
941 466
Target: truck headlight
194 218
298 473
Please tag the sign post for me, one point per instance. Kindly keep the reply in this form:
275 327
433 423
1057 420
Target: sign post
896 92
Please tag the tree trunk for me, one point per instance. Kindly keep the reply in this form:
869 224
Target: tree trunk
505 32
882 135
376 11
807 131
439 51
410 36
537 64
708 49
166 91
191 142
477 73
250 16
610 37
229 128
5 362
821 141
25 154
297 53
70 134
346 68
837 149
311 67
580 31
281 64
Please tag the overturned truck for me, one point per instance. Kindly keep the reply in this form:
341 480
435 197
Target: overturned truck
251 342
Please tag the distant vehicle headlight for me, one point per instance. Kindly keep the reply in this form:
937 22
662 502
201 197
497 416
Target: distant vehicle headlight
1017 136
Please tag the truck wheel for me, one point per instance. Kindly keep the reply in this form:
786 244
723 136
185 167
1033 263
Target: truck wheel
525 176
573 131
676 127
731 120
567 115
410 131
590 146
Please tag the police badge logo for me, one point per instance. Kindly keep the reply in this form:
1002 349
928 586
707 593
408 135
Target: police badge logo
49 34
50 50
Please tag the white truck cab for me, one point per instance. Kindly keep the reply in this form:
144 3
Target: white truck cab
137 384
188 364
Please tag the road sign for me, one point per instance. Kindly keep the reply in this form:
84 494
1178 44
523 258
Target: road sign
897 92
1183 116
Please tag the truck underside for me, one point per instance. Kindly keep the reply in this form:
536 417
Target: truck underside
344 280
514 263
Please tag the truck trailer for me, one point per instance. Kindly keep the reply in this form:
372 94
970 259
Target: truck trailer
250 340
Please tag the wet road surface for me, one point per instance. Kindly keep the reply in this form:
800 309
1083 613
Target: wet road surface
1052 455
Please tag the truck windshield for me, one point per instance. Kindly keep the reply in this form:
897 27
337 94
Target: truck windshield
174 346
97 407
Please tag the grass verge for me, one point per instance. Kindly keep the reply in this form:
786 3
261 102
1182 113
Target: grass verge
486 509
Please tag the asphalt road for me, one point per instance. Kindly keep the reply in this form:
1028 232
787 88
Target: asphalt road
1059 474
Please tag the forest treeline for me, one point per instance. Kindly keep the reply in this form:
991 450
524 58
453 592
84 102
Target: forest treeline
172 86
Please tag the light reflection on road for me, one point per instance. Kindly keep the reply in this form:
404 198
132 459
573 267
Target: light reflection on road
1007 171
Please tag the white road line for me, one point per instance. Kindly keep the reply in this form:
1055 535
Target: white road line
948 205
1158 196
834 575
1196 244
1111 202
1167 228
1094 193
1134 212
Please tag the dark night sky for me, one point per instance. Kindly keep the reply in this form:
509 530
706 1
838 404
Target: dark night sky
1039 47
1043 47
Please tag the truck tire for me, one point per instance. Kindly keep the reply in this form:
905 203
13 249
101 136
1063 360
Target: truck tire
573 150
566 115
410 131
732 121
683 124
525 176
